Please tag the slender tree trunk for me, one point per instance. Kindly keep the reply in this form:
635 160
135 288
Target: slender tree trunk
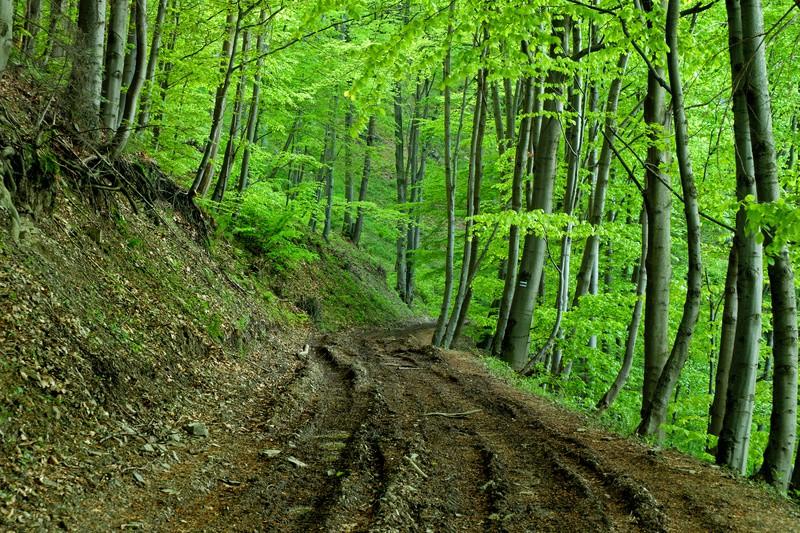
655 413
205 171
633 327
87 68
233 133
726 343
166 72
514 349
358 228
330 159
777 464
32 15
252 116
115 63
402 187
734 436
450 196
520 171
55 46
6 31
135 89
597 208
349 185
659 249
152 64
129 68
473 197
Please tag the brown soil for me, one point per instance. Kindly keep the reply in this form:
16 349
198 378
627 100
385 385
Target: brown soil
379 432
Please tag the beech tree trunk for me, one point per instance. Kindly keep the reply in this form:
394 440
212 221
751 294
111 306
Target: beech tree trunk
135 89
358 227
349 185
654 414
450 195
734 437
520 171
152 64
33 13
115 63
205 171
402 187
633 327
6 31
726 343
233 134
777 465
252 117
55 46
659 250
514 348
87 68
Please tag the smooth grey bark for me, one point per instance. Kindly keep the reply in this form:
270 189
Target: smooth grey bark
633 327
86 79
6 31
655 413
115 63
358 227
514 348
130 65
573 150
401 184
166 72
152 64
33 13
659 249
520 171
734 436
450 195
253 113
726 343
135 89
329 162
777 465
349 184
591 249
233 133
473 199
205 171
55 46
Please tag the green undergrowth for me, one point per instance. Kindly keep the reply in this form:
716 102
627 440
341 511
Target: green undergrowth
621 418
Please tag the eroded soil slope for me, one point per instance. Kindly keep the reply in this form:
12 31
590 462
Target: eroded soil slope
379 432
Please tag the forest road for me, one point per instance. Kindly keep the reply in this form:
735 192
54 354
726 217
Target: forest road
380 432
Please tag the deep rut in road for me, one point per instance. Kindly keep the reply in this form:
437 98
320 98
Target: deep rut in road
381 432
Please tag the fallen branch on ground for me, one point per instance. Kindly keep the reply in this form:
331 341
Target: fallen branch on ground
454 415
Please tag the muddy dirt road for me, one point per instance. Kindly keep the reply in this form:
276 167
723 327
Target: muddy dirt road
379 432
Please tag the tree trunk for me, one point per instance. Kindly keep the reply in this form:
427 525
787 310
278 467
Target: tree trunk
6 31
252 116
402 187
514 349
633 327
349 185
135 89
115 63
450 196
598 201
205 171
55 46
726 343
734 436
152 64
655 413
33 13
777 464
87 68
520 171
233 133
358 228
330 157
473 197
129 69
659 252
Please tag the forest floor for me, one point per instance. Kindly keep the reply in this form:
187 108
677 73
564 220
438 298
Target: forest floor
378 431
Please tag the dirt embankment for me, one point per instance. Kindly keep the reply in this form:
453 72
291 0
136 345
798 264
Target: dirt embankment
379 432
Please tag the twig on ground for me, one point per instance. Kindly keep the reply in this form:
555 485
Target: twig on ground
454 415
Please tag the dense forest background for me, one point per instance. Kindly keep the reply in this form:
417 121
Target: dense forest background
604 195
